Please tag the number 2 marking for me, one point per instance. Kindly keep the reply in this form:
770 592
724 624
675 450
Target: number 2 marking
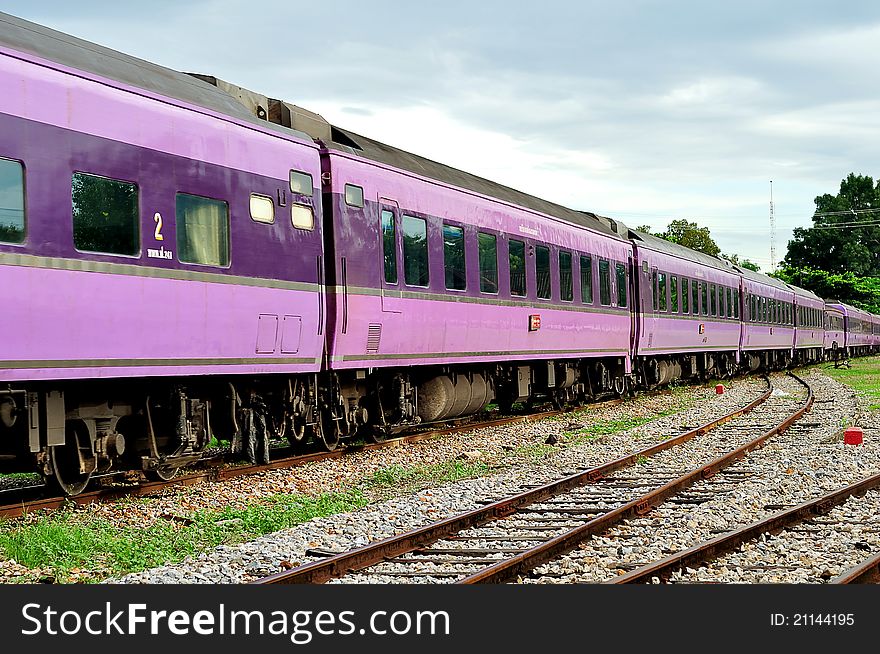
158 232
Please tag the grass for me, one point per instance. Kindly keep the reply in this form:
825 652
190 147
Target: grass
608 427
863 376
446 471
63 544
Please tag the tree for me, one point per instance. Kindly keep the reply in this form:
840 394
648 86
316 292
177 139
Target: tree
861 292
845 236
742 263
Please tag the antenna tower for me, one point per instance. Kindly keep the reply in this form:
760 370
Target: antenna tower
772 232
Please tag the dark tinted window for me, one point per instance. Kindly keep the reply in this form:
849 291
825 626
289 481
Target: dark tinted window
415 251
654 290
542 271
202 230
566 286
604 283
695 297
621 285
685 295
586 280
713 299
105 215
389 246
453 257
11 201
705 295
488 246
517 263
661 291
673 294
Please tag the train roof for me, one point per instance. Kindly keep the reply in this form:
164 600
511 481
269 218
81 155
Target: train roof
805 293
397 158
75 53
761 278
681 251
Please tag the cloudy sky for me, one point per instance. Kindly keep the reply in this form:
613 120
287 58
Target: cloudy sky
644 111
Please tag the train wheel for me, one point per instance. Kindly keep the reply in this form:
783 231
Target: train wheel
65 464
378 435
296 432
328 433
162 473
619 386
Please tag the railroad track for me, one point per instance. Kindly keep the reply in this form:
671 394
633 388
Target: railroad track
33 498
507 538
795 532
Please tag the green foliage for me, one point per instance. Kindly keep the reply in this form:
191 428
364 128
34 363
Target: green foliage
742 263
691 236
845 236
861 292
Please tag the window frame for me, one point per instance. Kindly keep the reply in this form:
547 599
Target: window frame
140 237
559 255
427 268
345 190
589 286
525 276
538 249
494 238
178 231
462 244
24 203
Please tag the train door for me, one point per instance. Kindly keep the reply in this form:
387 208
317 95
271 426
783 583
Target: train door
390 255
635 305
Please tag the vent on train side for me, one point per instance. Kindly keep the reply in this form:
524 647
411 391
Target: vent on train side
374 335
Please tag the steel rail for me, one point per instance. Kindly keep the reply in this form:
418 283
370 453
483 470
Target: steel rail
867 572
359 558
712 549
554 548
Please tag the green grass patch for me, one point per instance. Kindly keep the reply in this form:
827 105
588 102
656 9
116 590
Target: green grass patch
863 375
533 451
61 542
445 471
609 427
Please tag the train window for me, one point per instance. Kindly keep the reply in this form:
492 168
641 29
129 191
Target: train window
262 209
415 251
301 183
488 246
453 257
736 303
586 280
105 215
695 297
713 299
542 271
661 291
389 246
729 294
654 292
621 285
202 230
301 216
354 195
673 293
516 257
566 286
11 201
604 283
705 294
685 295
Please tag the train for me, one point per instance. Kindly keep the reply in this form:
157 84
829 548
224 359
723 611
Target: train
186 260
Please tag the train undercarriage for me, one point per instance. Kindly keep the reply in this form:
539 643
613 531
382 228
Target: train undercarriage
70 432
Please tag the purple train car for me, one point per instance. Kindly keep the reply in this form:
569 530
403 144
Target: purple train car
140 237
768 328
834 341
451 290
689 315
858 328
810 326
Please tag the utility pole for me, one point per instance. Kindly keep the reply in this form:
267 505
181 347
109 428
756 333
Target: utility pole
772 232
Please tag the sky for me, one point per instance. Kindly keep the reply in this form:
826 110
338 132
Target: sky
643 111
